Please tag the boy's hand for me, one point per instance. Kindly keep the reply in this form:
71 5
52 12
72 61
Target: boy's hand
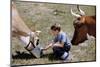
55 45
42 49
58 45
47 47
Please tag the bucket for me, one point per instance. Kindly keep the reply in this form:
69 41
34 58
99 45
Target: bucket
37 52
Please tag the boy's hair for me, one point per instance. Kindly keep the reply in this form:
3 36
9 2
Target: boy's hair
56 27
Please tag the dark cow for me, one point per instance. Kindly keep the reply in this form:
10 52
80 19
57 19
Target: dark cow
84 25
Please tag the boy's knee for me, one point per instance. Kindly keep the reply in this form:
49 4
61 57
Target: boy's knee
56 49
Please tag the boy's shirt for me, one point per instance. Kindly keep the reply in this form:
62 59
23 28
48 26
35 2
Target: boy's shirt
62 37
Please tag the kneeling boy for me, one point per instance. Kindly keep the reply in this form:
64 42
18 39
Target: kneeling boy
61 44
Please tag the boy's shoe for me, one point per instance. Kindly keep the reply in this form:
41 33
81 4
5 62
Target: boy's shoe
66 59
65 56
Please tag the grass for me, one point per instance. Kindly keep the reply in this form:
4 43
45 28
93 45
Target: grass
41 16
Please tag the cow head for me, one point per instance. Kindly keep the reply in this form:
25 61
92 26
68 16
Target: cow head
80 33
35 37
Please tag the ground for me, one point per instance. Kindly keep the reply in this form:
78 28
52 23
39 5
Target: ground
41 16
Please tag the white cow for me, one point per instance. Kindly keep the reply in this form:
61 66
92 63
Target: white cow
22 32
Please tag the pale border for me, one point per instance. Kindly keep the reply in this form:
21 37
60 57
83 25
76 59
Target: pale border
5 33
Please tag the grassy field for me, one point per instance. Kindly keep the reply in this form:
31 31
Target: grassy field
41 16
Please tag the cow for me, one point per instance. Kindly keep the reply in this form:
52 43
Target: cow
22 32
84 26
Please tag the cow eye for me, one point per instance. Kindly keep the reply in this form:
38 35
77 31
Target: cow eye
78 18
37 42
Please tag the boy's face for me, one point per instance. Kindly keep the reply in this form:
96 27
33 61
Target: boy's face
54 32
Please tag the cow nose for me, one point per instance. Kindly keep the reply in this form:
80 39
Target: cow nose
74 43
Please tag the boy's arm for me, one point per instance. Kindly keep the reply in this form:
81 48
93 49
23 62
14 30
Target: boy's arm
48 46
59 44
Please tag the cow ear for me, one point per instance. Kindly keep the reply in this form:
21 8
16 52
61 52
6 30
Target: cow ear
37 32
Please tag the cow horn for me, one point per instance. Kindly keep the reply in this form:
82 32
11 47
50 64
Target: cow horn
81 11
76 15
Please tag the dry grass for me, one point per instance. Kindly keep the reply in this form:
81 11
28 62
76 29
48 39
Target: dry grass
41 16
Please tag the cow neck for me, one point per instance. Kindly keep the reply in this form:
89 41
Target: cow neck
26 39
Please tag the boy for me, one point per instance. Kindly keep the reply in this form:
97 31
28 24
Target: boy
61 43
